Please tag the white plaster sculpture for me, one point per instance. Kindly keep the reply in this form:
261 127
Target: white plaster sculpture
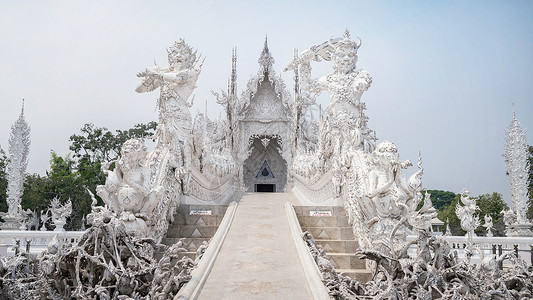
345 126
31 221
170 161
465 213
488 225
44 219
19 146
176 82
448 231
509 219
516 158
381 204
434 273
346 85
106 263
381 201
128 192
262 112
60 213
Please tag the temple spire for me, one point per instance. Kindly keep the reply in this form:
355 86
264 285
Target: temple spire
233 79
266 60
516 158
19 145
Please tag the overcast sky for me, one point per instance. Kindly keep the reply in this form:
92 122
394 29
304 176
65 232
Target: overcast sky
445 72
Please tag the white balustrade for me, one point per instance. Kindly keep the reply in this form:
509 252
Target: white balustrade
318 191
458 243
39 240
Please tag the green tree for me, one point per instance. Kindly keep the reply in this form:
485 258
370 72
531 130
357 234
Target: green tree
36 195
70 176
447 214
440 199
61 181
491 204
97 145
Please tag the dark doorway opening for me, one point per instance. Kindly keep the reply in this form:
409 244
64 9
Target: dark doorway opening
265 188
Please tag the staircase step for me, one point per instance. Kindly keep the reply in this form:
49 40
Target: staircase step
188 243
308 221
304 210
185 209
346 261
213 220
190 254
339 246
361 275
330 233
191 231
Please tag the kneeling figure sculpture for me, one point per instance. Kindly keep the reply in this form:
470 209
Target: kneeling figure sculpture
127 190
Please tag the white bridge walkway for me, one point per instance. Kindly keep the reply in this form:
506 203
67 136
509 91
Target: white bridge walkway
258 259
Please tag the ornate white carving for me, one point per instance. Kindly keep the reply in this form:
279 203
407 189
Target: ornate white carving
448 231
465 213
170 161
44 219
177 82
380 202
104 263
60 213
262 112
346 85
516 158
488 225
128 192
399 276
19 147
265 72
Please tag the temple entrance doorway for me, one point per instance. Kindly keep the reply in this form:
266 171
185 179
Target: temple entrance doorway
265 170
265 188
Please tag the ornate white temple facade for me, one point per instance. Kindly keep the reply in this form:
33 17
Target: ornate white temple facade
262 129
267 142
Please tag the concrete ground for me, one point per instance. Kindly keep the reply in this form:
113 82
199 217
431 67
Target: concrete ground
258 259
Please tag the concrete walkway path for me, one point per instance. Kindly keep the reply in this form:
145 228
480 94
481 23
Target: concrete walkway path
258 259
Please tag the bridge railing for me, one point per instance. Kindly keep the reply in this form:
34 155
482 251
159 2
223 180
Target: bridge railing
208 189
39 240
319 191
522 246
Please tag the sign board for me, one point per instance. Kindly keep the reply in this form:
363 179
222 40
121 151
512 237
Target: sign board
320 213
200 212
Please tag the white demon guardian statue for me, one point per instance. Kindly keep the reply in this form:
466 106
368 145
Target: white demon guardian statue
127 190
380 202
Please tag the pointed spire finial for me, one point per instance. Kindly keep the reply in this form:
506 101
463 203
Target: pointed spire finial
514 115
22 111
233 78
266 60
346 34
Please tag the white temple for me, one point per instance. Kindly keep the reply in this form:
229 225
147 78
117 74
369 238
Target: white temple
330 179
267 142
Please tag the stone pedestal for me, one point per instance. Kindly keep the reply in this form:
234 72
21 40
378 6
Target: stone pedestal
59 225
11 222
522 229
